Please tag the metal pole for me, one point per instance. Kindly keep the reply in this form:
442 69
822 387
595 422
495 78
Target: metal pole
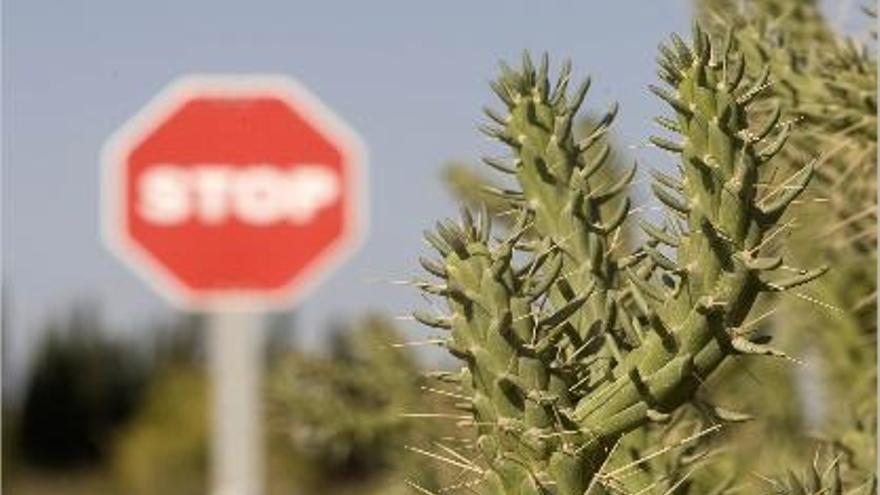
235 342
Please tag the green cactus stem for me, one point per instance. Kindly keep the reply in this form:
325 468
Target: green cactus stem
568 345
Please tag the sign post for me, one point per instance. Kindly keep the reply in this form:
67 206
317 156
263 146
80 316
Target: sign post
235 360
233 195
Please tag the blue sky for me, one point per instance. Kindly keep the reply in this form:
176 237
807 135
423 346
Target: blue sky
409 76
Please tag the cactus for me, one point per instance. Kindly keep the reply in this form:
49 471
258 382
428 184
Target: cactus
476 191
801 20
829 83
676 456
821 476
568 345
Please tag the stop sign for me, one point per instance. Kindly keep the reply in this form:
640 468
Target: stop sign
232 190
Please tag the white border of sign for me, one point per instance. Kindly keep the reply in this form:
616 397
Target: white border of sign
148 119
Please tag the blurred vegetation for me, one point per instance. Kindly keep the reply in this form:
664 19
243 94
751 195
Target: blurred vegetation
84 386
91 392
105 414
346 416
164 448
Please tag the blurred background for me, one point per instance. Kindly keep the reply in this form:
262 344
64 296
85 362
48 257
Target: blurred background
104 384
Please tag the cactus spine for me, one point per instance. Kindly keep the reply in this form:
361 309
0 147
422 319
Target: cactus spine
567 345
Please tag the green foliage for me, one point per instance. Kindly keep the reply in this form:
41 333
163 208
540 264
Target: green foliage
568 345
164 448
335 421
84 385
72 418
344 414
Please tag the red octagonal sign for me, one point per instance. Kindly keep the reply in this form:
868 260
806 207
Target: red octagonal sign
233 191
